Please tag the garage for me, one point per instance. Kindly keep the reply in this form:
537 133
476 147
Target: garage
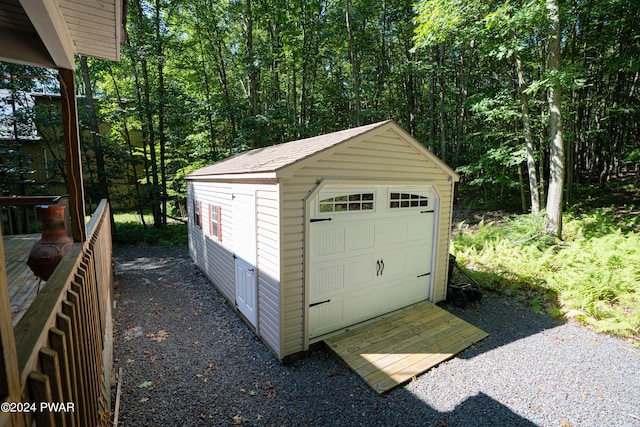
310 237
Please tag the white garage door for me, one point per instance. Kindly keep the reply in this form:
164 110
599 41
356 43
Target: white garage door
370 253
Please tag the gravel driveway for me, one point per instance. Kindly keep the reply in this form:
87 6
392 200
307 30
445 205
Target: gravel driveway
188 360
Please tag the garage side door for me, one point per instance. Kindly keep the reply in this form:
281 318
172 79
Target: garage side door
370 253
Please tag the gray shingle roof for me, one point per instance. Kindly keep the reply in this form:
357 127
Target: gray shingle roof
276 157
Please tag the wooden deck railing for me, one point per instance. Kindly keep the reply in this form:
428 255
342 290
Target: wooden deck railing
64 341
19 214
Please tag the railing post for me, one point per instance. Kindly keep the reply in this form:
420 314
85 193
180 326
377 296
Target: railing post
72 153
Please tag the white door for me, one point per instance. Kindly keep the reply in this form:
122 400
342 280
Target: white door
244 243
370 253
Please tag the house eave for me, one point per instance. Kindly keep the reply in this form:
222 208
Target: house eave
249 178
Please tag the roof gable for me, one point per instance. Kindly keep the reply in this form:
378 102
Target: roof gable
292 155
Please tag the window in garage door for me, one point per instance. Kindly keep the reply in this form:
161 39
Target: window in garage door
348 202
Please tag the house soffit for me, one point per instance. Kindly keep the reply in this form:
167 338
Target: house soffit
48 33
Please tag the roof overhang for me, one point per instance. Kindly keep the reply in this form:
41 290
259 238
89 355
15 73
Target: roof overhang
254 178
48 33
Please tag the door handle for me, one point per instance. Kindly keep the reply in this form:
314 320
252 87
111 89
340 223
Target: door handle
382 264
377 267
251 269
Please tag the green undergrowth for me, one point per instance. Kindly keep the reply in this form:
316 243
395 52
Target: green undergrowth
593 275
129 230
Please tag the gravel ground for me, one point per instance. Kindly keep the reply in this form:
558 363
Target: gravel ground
188 360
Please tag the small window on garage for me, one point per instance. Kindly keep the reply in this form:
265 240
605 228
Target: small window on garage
197 213
215 226
407 200
348 203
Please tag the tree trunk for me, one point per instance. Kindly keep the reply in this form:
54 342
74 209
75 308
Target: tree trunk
432 101
161 101
253 73
553 218
207 94
528 140
103 186
355 64
127 137
149 126
443 134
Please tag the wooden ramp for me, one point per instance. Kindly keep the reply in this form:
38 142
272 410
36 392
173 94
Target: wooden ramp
392 350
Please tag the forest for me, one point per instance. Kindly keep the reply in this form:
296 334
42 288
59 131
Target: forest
534 103
527 100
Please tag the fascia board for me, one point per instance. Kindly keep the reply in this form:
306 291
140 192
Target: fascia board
47 19
235 177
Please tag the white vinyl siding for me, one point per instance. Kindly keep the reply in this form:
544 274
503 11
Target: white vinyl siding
213 258
268 263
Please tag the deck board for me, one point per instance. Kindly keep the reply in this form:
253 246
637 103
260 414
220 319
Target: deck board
392 350
23 284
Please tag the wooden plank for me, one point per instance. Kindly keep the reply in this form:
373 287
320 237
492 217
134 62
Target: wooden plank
378 334
413 342
420 355
41 392
69 308
394 349
50 366
84 285
447 351
63 322
58 344
87 351
374 339
384 324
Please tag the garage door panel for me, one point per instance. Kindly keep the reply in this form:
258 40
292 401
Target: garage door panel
339 313
348 237
328 241
407 265
358 273
326 317
348 276
394 232
360 237
420 227
419 260
393 265
402 293
328 279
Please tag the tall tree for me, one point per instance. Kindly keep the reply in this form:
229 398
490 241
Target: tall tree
553 217
147 107
355 62
103 185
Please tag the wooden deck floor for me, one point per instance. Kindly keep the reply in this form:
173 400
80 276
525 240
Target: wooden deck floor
23 284
392 350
